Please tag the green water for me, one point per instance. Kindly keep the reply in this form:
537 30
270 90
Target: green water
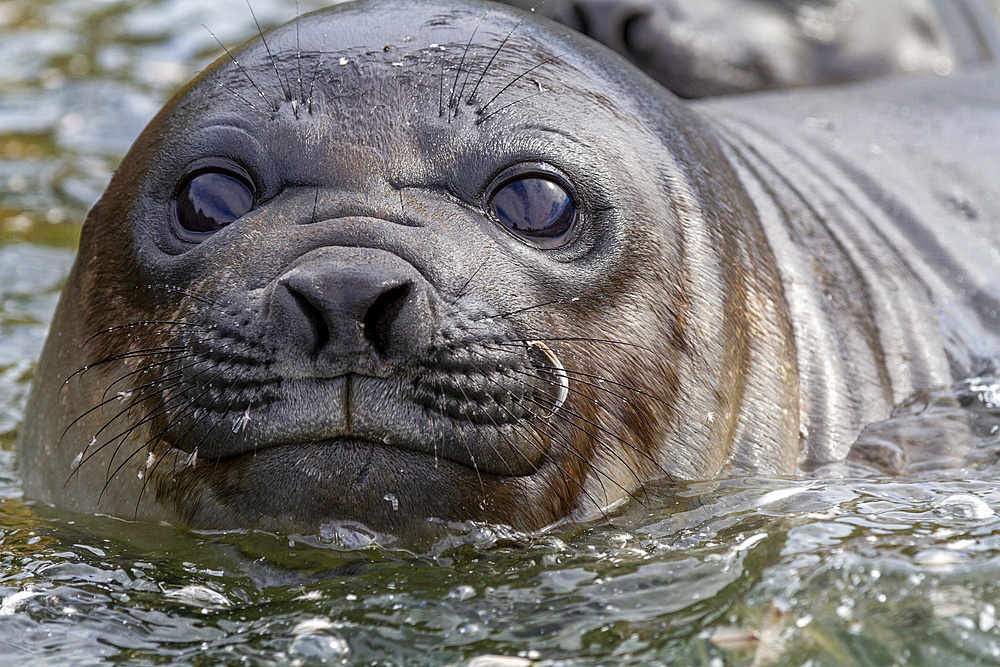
758 571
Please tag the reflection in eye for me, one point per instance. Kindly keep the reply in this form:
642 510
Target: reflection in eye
534 208
210 201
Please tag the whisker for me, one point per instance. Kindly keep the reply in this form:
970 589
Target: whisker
482 74
312 82
468 449
194 424
517 311
441 87
570 448
570 339
143 323
149 475
107 401
242 98
550 59
483 119
572 413
236 62
298 52
598 383
468 281
155 438
149 352
145 368
638 450
123 435
143 446
184 292
135 402
565 473
287 92
149 367
556 407
222 415
461 63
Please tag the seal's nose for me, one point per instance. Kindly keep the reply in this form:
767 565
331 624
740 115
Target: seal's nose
341 304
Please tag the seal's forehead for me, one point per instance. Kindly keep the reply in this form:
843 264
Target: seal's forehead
467 38
413 85
396 23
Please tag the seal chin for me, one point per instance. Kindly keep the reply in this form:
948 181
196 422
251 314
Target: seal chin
303 486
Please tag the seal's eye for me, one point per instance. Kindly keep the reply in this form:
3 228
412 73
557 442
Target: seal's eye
209 201
537 209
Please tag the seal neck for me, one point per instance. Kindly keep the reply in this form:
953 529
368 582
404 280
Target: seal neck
742 352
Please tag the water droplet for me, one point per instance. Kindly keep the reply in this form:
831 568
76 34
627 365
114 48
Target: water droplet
461 592
311 625
965 506
199 596
780 494
942 65
241 423
751 542
392 499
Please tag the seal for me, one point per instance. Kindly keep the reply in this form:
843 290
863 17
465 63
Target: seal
701 48
403 263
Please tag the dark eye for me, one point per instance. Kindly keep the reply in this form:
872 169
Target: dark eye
209 201
537 209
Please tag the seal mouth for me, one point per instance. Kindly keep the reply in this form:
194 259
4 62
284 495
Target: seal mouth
386 414
334 445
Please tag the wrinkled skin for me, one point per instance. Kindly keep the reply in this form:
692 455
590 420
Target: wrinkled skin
698 48
370 344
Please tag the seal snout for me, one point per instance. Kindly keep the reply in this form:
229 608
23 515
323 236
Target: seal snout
344 304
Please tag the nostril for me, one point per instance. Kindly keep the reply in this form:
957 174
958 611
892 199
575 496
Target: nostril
313 318
381 316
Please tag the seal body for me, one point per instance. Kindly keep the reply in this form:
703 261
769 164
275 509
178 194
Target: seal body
400 262
700 48
878 203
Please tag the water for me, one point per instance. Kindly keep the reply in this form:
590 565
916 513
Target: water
753 571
